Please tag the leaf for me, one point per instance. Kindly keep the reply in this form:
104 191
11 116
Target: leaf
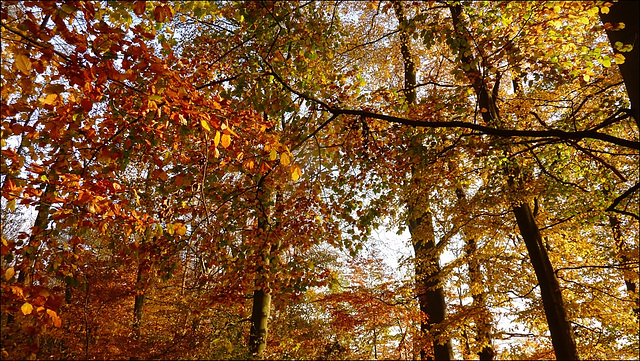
216 139
57 322
180 229
50 99
23 63
226 140
295 175
139 7
604 9
205 125
619 58
26 308
273 155
8 274
285 159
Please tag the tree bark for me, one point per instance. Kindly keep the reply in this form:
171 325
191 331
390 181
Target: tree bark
483 320
427 268
627 12
561 331
138 303
259 322
562 336
632 287
261 307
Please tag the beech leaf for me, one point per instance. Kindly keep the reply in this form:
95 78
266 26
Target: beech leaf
226 140
26 308
205 125
23 63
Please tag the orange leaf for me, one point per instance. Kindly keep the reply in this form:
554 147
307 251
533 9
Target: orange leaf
226 140
57 322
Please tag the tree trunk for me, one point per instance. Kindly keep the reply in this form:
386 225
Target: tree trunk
40 225
427 268
138 303
632 288
261 307
559 325
627 13
483 320
259 320
429 287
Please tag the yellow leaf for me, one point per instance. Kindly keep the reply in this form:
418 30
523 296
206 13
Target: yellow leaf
604 9
26 308
23 63
226 140
50 99
92 208
205 125
180 229
619 58
285 159
273 155
586 77
296 174
8 274
216 139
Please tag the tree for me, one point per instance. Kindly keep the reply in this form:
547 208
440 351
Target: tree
187 163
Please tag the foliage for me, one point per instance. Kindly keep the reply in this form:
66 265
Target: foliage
161 161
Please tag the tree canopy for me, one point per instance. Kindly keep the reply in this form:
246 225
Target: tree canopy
206 180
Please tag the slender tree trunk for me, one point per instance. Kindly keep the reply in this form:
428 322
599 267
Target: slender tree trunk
483 321
559 325
39 226
261 307
483 317
138 302
427 268
429 287
632 287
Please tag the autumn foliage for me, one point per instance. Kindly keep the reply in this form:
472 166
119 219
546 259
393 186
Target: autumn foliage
209 180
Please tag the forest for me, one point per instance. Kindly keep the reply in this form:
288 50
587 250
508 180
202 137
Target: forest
226 179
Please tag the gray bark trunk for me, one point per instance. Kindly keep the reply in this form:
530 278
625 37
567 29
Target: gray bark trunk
427 267
562 336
